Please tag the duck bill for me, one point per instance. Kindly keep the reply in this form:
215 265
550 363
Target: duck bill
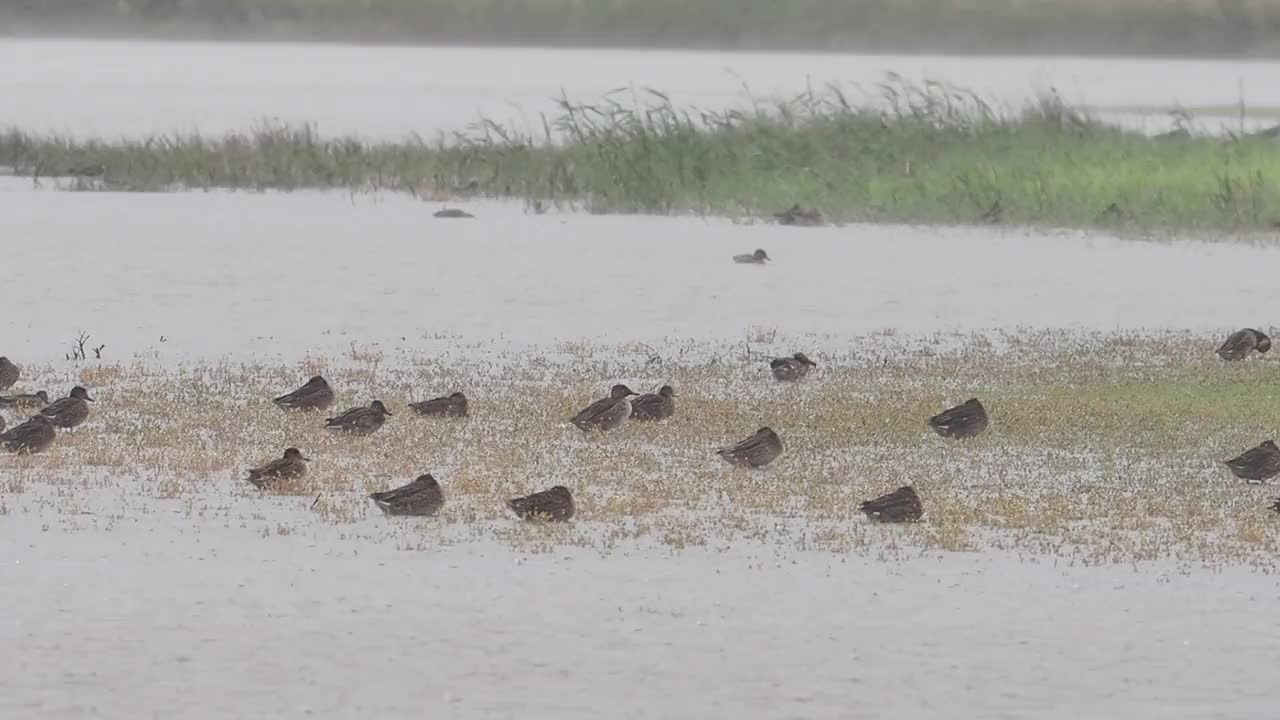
86 397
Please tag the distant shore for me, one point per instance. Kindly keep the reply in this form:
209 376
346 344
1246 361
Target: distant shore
1177 28
935 156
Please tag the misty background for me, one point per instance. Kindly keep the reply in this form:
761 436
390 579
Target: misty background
1205 28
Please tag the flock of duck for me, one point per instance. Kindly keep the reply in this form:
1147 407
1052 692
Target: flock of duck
424 497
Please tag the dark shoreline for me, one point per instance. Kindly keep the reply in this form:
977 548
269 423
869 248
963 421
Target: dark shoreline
878 27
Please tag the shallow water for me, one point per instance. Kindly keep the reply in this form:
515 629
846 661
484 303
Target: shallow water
227 622
135 88
284 275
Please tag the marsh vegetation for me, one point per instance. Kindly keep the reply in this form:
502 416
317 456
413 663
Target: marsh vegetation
923 154
1102 448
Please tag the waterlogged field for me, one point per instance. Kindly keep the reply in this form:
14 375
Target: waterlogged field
1095 455
1088 555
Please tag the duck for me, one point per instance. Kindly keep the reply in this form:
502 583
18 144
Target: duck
555 505
1240 343
1257 464
314 395
9 373
800 216
607 413
1275 505
901 505
70 411
360 420
37 399
762 448
292 465
756 258
420 497
31 437
788 369
449 213
654 406
454 405
962 421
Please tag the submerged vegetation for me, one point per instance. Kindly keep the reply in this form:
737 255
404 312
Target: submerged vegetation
1170 27
1101 448
928 154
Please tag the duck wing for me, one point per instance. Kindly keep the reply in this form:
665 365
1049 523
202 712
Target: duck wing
595 412
1238 344
58 407
347 418
651 406
440 406
901 505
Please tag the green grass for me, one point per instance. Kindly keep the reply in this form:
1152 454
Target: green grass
929 155
1170 27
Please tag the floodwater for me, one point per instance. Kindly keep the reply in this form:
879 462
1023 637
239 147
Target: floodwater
141 607
111 89
272 275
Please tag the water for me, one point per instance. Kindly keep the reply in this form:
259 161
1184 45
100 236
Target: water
291 274
122 604
111 89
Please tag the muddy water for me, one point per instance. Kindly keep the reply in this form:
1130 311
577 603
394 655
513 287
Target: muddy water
117 88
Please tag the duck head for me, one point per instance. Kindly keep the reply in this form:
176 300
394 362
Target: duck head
760 254
80 393
620 391
667 391
295 454
317 381
377 406
457 396
801 357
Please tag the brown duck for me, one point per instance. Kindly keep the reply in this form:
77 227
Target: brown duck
962 421
1258 464
292 465
70 411
555 505
454 405
32 400
1240 343
800 216
607 413
756 258
31 437
8 373
654 406
759 450
792 368
420 497
901 505
314 395
360 420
